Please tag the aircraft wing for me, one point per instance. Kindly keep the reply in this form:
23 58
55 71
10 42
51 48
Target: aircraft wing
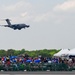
4 25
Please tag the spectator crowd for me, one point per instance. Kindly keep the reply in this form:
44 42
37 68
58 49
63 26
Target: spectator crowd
24 62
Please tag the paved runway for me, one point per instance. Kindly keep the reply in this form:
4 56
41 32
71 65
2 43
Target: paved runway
39 73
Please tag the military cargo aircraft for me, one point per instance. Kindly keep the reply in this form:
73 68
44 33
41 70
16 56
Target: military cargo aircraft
15 26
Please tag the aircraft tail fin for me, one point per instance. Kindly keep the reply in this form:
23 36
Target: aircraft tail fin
8 21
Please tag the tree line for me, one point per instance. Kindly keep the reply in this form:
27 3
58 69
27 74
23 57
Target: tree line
32 53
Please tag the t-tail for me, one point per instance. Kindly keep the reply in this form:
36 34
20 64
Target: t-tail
8 22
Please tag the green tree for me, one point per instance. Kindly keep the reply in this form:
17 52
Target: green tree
22 51
10 52
2 52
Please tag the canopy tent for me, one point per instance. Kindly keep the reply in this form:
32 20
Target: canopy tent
62 52
72 52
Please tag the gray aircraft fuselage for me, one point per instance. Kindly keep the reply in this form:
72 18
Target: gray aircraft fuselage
17 26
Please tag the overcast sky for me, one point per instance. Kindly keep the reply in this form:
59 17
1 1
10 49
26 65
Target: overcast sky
52 24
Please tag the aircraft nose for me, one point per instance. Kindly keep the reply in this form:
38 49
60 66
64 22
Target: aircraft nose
28 26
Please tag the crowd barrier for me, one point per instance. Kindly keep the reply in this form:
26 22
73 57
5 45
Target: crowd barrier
37 67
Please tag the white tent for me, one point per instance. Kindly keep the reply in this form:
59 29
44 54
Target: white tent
62 52
72 52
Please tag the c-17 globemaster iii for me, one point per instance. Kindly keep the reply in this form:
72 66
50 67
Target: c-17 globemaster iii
15 26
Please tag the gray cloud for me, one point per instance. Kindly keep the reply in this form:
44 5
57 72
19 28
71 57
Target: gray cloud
49 28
